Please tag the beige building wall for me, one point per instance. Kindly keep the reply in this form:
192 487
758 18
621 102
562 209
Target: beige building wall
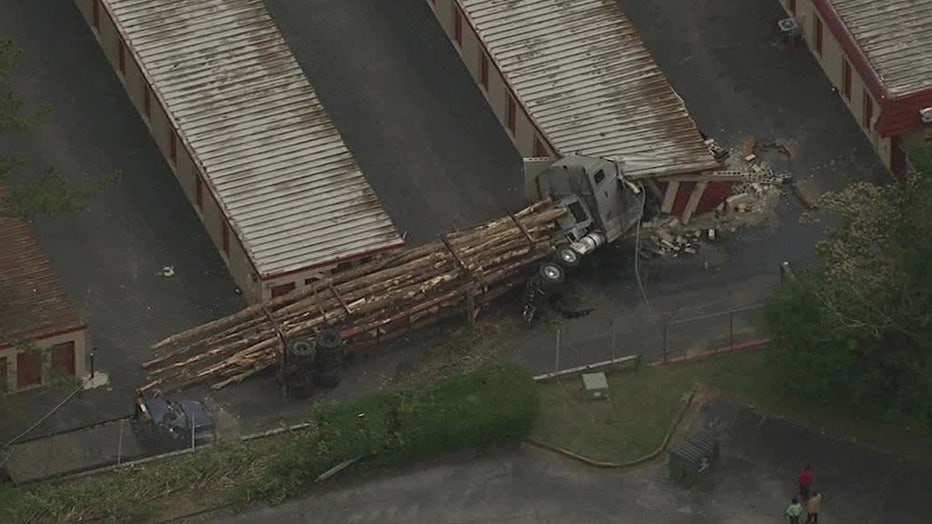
497 93
255 288
179 158
833 60
44 347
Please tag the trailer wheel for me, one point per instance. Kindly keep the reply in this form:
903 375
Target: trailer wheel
302 347
329 339
551 275
567 258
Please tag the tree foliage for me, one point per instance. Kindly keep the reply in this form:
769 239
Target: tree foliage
27 192
857 331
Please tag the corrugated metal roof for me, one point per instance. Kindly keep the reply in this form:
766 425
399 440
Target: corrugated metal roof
249 116
32 302
582 71
896 36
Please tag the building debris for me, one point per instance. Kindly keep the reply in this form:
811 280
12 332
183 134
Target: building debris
754 195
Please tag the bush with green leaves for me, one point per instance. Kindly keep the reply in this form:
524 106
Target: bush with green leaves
856 332
470 410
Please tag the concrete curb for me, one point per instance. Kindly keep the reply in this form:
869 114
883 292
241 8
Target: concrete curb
628 361
617 465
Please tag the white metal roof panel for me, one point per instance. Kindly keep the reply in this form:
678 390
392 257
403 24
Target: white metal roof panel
581 70
291 189
896 36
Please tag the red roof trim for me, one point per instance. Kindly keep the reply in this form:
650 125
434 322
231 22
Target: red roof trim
897 115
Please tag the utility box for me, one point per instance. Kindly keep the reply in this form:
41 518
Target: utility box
595 386
693 457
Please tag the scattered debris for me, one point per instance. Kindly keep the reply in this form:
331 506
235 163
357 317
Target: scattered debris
760 147
718 152
752 202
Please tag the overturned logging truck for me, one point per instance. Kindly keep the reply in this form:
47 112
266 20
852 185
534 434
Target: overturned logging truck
306 334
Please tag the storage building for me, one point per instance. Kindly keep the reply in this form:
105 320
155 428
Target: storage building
575 77
878 54
247 137
42 337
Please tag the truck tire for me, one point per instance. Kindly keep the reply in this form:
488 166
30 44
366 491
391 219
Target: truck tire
303 348
567 258
329 339
551 275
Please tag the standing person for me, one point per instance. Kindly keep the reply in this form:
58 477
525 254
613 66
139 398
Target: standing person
794 510
813 505
805 481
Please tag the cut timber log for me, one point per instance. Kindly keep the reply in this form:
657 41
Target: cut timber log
373 301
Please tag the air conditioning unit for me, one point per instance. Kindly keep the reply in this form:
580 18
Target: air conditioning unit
925 114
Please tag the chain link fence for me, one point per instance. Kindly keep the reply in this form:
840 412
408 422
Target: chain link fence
719 331
653 338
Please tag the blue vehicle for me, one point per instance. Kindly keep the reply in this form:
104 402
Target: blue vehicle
163 424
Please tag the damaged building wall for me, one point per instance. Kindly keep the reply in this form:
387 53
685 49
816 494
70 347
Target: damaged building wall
569 107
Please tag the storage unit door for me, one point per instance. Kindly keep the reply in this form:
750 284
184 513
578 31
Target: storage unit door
63 359
28 369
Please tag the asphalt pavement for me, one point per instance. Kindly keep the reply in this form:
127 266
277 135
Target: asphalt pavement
110 256
425 137
752 481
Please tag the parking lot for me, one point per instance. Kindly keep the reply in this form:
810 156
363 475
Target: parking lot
406 106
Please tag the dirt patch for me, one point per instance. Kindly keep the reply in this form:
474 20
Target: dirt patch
465 349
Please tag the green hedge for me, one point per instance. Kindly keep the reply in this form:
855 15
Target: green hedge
474 409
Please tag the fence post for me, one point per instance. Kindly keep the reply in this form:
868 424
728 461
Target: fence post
731 330
556 364
612 326
664 320
120 444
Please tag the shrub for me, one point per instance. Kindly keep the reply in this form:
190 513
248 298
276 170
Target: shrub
474 409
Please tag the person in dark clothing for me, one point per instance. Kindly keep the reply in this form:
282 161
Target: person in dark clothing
805 481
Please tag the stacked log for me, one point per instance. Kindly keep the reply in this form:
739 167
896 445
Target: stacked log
367 304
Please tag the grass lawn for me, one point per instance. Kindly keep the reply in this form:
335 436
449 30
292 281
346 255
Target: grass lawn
627 426
644 403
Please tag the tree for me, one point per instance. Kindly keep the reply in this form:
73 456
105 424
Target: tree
31 193
857 331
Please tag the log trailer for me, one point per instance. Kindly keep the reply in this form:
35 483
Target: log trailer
306 334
